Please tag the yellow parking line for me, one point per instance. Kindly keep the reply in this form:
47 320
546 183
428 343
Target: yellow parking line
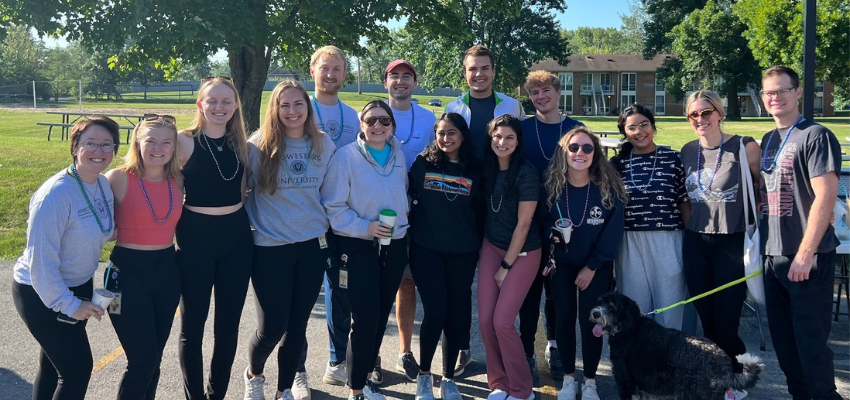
114 354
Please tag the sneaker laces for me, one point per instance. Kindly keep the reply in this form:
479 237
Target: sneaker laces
449 385
255 387
301 380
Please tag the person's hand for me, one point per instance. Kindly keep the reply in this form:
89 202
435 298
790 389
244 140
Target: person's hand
555 239
584 277
376 229
500 277
800 268
87 310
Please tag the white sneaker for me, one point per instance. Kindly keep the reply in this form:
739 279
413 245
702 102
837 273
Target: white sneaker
733 394
449 390
531 397
372 392
286 395
570 389
335 374
425 387
588 390
254 387
497 394
301 387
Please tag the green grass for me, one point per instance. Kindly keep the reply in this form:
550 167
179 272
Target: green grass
27 158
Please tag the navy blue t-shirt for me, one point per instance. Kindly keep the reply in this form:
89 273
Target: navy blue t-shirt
541 139
480 114
655 184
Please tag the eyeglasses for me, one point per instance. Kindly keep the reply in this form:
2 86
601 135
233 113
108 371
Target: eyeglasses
634 128
219 77
704 114
586 148
92 147
385 121
402 77
168 119
779 94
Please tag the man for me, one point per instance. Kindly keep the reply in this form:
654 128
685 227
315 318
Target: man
541 135
481 103
800 167
414 130
478 106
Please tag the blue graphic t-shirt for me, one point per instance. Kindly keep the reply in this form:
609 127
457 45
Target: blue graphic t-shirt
655 184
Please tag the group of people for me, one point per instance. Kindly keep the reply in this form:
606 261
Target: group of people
374 204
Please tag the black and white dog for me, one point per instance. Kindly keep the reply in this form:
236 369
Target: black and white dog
660 362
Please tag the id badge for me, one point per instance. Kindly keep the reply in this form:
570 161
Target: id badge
323 241
115 305
343 273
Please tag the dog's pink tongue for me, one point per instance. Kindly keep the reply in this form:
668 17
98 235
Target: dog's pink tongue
597 330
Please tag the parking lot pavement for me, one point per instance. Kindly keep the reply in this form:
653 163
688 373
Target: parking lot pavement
19 352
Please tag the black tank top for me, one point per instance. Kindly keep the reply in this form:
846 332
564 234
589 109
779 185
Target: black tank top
212 178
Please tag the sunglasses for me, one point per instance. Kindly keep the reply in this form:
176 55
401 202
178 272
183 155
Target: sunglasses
586 148
168 119
212 78
704 114
385 121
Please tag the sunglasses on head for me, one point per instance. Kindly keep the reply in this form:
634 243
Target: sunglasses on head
219 77
704 113
385 121
168 119
586 148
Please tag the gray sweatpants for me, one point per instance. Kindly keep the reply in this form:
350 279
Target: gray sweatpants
648 269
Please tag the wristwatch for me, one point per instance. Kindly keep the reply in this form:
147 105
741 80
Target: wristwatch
505 265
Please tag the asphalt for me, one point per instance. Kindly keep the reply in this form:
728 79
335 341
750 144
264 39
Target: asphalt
19 352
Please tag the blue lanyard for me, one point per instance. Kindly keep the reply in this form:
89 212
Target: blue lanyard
322 122
412 124
764 165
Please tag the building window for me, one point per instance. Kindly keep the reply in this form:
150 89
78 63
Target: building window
587 82
659 85
628 81
586 105
659 104
605 82
627 100
818 106
566 81
566 102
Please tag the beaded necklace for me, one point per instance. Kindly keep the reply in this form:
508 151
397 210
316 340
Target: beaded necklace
716 164
567 199
88 202
501 196
322 122
218 167
150 206
764 165
651 174
540 142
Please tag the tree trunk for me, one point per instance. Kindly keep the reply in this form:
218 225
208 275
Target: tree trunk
146 92
249 68
733 110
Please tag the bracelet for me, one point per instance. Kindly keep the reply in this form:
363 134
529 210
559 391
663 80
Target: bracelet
504 264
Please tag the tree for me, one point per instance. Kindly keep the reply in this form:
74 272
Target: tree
662 16
633 28
586 40
169 34
65 69
709 46
22 57
775 34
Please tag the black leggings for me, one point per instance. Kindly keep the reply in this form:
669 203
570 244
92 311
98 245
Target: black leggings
529 313
443 279
213 251
149 283
65 361
286 283
711 261
564 296
373 279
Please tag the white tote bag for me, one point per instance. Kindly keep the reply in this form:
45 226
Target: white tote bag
752 255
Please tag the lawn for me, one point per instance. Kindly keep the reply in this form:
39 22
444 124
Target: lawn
27 158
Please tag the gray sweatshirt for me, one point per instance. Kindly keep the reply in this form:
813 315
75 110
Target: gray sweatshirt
294 213
357 188
63 239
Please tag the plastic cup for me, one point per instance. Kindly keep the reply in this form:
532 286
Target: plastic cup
102 298
387 218
564 226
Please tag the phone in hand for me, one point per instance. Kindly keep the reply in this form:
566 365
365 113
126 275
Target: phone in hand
556 233
66 319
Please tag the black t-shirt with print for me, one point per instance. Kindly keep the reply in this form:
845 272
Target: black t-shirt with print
655 184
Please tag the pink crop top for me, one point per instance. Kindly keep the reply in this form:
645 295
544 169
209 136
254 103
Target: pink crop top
133 216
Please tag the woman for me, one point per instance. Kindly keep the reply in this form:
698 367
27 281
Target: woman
713 246
584 189
213 236
287 161
445 185
510 257
70 219
143 268
649 263
365 178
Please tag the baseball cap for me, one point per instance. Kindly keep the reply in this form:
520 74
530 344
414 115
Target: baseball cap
396 63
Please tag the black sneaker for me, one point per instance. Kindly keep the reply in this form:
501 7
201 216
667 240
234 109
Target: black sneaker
407 364
464 358
556 368
377 373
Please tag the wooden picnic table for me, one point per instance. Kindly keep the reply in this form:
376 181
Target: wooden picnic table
67 122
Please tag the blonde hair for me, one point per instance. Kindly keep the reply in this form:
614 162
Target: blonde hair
133 161
270 137
541 78
330 51
235 132
709 96
602 174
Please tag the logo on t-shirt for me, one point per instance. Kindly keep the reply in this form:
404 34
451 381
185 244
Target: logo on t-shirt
298 167
595 216
448 183
333 128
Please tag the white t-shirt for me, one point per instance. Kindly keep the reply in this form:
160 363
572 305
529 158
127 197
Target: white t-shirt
414 130
330 118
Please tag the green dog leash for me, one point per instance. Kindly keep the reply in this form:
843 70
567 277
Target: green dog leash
708 293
